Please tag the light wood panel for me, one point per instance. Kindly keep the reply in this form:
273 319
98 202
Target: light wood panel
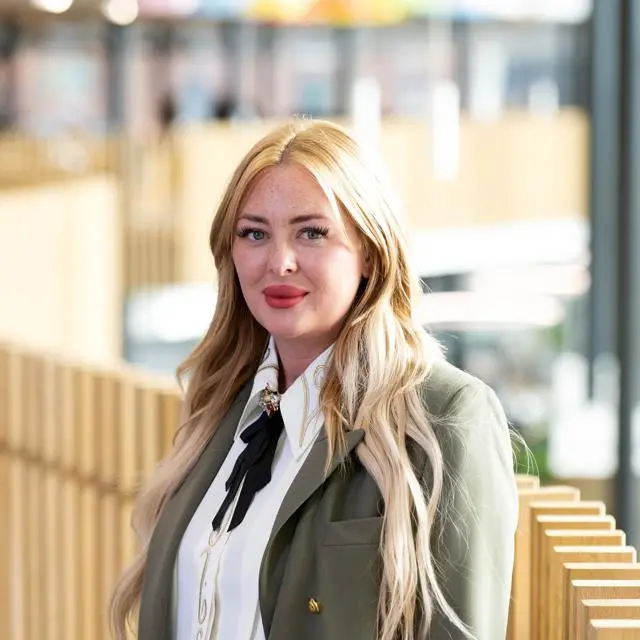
60 267
71 440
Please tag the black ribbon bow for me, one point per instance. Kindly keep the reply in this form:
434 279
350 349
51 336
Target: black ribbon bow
253 466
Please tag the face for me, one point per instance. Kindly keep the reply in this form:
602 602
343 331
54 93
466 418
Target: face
298 271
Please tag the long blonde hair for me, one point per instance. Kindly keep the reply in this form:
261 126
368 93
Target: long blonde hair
380 361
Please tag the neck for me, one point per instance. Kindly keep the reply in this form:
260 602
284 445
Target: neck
294 358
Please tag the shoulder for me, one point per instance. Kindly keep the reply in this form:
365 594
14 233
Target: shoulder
446 388
466 416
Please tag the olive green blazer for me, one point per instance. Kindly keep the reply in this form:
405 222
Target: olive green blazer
319 578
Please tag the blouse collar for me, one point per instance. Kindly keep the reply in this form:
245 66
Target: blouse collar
300 403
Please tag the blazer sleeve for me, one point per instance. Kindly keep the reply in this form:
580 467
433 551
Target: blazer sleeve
473 542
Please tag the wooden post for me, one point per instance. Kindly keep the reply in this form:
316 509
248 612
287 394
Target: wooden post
563 555
551 508
108 432
608 610
70 512
89 548
539 613
598 590
5 585
520 610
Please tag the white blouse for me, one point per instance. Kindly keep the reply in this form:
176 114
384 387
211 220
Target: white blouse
217 572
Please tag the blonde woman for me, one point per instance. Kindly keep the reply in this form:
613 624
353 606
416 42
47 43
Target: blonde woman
334 478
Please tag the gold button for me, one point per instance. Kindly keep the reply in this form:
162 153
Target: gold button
314 605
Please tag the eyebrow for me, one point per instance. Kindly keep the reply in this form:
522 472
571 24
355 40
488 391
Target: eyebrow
305 217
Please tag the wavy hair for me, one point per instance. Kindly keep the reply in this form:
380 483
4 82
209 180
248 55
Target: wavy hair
380 361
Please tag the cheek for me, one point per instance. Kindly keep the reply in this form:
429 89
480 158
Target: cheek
338 273
244 262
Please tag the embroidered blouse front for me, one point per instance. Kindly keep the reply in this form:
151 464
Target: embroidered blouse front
217 572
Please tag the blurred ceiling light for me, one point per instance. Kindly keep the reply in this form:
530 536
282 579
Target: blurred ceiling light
121 12
52 6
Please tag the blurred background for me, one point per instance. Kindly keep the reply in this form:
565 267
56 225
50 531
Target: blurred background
511 129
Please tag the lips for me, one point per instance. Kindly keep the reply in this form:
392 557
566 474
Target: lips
283 296
283 291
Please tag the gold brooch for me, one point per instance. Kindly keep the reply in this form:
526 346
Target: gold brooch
269 400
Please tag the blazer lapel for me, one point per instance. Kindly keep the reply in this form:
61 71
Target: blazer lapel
310 478
155 606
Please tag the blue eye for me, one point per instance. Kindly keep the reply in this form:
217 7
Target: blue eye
252 234
315 233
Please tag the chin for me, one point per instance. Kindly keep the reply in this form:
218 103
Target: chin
285 332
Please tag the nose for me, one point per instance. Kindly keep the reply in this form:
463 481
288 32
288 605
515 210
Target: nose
282 259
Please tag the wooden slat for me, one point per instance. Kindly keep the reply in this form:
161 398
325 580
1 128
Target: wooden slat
598 571
16 437
520 609
69 456
70 503
107 411
109 561
18 521
580 538
597 590
70 545
32 550
89 548
149 425
51 581
129 466
86 428
541 559
4 493
608 610
614 630
107 400
89 551
551 508
564 555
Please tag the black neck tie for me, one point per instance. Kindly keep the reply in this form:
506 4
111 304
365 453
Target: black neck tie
253 466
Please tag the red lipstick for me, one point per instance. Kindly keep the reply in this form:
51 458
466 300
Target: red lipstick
283 296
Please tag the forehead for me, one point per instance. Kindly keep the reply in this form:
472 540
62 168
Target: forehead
284 190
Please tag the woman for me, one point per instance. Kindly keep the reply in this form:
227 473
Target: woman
381 501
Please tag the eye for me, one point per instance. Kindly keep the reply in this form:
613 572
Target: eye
254 235
315 233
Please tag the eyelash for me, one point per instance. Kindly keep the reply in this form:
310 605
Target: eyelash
320 231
